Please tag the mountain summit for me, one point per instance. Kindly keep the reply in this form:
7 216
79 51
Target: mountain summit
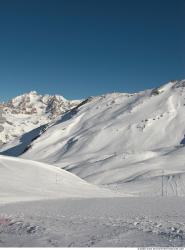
29 111
33 103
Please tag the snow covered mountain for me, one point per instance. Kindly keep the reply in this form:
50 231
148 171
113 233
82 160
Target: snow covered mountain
29 111
130 142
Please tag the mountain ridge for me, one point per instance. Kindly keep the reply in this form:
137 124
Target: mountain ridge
125 141
128 142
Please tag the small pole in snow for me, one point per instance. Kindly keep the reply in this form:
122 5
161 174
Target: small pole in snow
56 179
162 184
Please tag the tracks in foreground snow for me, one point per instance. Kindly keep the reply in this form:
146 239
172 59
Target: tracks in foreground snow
94 222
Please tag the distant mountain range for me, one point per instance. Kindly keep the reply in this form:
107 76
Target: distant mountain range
28 111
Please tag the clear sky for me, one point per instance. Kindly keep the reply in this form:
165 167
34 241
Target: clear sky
79 48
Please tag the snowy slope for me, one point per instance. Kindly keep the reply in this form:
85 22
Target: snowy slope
133 142
19 145
29 111
24 180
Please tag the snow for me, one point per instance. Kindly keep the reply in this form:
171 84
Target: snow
108 172
20 144
95 222
128 142
24 180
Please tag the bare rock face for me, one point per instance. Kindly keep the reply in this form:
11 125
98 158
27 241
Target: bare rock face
29 111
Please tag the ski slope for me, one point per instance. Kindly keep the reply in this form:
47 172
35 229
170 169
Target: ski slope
129 142
25 180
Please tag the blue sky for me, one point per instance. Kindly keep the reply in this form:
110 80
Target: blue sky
79 48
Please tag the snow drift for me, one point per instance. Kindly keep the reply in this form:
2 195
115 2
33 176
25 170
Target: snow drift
24 180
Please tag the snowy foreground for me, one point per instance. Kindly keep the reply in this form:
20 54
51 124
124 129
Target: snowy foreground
42 205
117 222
